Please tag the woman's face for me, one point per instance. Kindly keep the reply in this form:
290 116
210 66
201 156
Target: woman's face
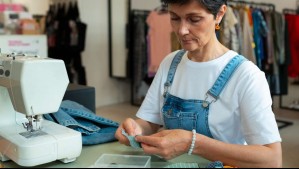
193 25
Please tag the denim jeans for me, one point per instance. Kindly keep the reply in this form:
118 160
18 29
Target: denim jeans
194 114
94 129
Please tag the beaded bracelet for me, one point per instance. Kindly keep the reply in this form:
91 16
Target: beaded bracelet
193 142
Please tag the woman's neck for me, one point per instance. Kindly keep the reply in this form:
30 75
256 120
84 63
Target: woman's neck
212 50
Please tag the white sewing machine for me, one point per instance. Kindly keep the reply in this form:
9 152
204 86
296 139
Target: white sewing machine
29 88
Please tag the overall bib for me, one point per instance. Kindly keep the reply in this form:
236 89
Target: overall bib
194 114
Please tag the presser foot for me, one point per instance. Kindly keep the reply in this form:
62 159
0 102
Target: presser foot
3 158
68 160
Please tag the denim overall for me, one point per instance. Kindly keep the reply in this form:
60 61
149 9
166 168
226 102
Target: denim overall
94 129
194 114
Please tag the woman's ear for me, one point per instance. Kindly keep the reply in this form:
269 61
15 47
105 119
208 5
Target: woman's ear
221 13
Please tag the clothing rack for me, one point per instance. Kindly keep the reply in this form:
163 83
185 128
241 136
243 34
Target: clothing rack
294 12
290 11
253 4
271 7
281 106
136 61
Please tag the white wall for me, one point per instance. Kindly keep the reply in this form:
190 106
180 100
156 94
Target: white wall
145 4
39 7
96 58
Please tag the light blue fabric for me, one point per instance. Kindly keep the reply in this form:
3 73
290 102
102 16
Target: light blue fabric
94 129
131 139
260 31
193 114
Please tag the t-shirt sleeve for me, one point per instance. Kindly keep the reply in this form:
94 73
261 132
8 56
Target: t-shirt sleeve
257 118
150 109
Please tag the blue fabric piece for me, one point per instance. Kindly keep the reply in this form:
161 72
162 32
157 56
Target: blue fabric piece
94 129
215 164
132 140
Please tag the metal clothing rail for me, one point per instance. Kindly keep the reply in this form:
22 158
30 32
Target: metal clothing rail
253 4
291 11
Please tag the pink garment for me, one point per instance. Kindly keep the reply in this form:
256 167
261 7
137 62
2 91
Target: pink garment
159 35
11 7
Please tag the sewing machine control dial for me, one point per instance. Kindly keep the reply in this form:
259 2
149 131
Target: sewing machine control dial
7 73
1 71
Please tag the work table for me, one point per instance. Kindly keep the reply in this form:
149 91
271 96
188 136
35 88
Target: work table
90 155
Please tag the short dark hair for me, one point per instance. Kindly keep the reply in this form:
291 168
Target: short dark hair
212 6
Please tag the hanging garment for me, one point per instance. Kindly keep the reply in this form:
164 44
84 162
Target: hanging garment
230 37
279 38
66 39
244 33
260 30
159 38
94 129
273 62
284 57
76 45
138 55
293 23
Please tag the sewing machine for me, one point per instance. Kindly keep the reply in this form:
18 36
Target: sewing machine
29 88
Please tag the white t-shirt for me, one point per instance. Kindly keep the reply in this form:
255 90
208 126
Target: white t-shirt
241 115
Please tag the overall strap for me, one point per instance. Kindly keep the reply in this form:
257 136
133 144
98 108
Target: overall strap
174 64
225 75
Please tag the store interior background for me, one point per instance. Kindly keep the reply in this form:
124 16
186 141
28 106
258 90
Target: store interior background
95 57
117 91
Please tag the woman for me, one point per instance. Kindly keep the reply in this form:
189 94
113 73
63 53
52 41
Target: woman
211 102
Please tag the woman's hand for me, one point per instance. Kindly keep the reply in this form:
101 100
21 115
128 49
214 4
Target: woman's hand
131 127
166 143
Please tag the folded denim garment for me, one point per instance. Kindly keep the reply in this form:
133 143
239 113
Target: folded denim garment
94 129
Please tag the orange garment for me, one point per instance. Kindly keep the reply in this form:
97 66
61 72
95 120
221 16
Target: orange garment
159 35
248 10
